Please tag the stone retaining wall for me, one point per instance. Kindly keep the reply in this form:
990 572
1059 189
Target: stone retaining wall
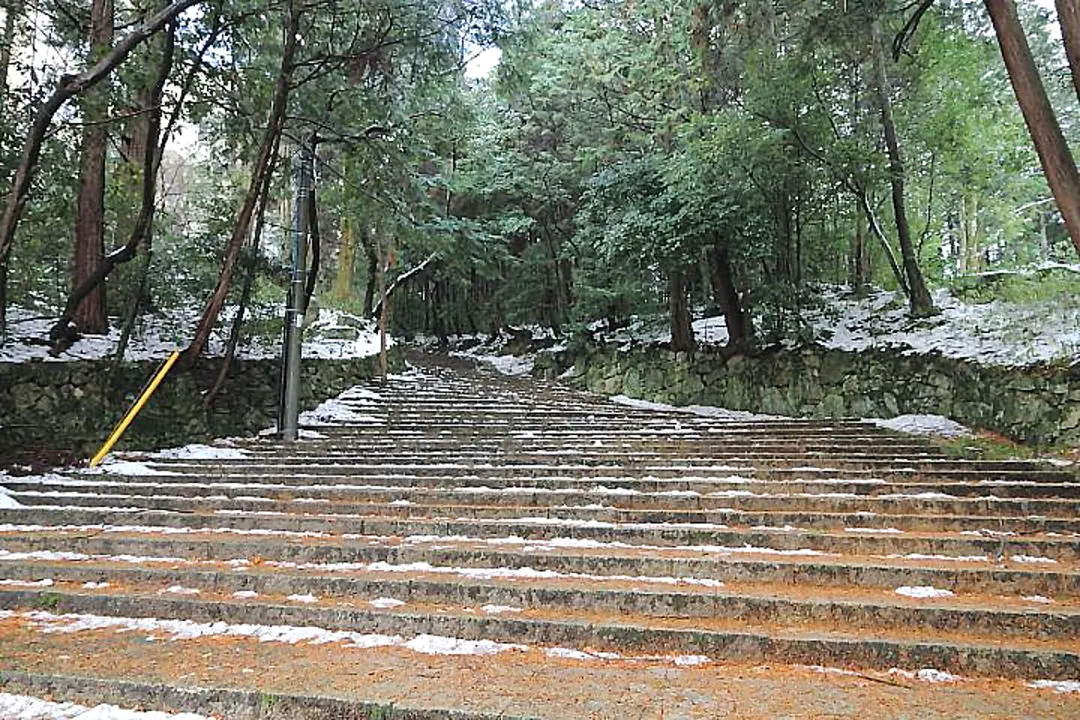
1039 404
69 406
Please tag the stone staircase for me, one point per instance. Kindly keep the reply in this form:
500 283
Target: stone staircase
464 545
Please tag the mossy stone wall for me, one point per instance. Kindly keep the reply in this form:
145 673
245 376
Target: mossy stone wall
1039 404
71 405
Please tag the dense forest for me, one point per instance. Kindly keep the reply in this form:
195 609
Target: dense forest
624 157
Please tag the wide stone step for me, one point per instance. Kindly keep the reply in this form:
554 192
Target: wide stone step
305 682
858 499
865 538
718 639
730 489
494 467
507 591
978 573
924 520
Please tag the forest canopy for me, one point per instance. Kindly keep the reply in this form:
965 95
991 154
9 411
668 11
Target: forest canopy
623 157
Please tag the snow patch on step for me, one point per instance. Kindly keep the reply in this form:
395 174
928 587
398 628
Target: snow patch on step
28 583
47 622
91 585
154 529
1059 686
1042 599
500 609
7 502
928 675
924 425
945 558
922 591
199 451
1033 560
386 603
66 556
335 412
25 707
442 645
178 590
244 594
709 411
888 530
307 598
124 467
358 392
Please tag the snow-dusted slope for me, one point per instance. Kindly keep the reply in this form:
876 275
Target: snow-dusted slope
335 335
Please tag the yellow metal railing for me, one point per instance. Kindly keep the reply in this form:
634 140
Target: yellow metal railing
140 401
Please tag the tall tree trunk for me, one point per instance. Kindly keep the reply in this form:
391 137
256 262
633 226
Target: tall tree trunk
91 315
61 332
372 271
343 278
858 262
970 260
259 185
726 295
7 42
682 334
69 87
1068 12
919 297
1057 161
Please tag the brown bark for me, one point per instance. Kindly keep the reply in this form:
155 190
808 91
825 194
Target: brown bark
1057 161
260 181
727 296
859 261
682 334
919 296
372 272
6 43
61 332
343 278
1068 12
91 316
69 87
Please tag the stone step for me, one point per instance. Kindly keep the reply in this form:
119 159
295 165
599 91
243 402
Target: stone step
923 520
503 590
975 573
630 451
349 498
870 537
730 487
306 682
494 468
718 639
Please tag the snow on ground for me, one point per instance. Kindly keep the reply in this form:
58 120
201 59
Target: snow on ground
702 410
25 707
198 451
998 332
179 630
925 425
1061 686
6 501
922 591
512 365
333 335
337 411
914 424
993 333
386 603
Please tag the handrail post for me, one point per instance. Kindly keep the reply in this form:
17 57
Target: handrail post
144 397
